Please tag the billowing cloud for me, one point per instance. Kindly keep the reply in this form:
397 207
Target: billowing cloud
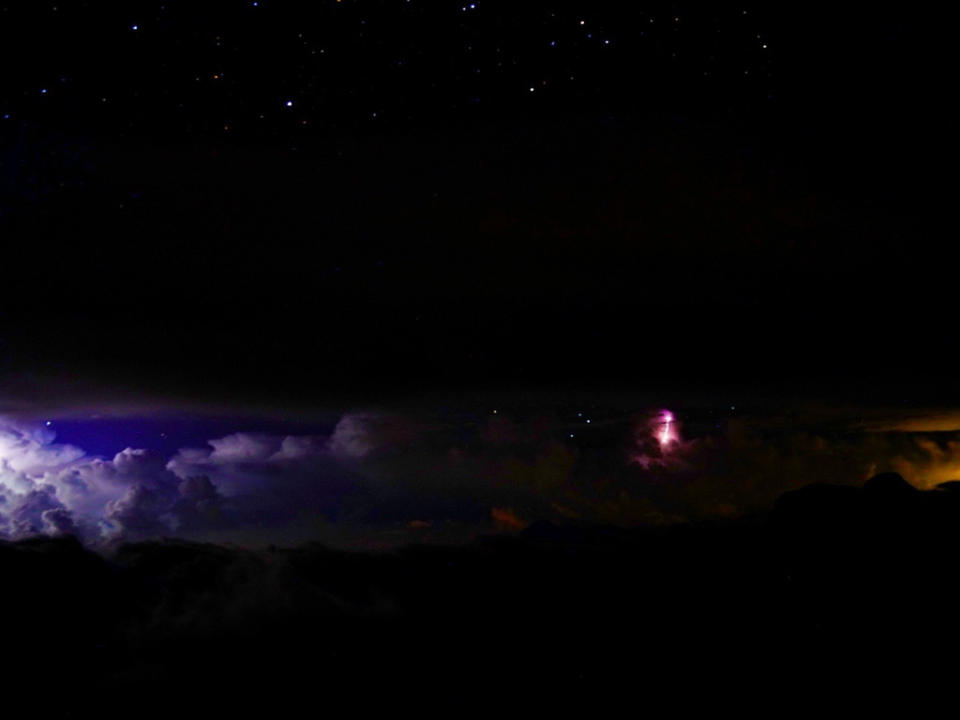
396 474
55 489
26 449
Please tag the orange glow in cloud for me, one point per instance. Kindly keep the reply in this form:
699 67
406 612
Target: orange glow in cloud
932 421
930 464
506 519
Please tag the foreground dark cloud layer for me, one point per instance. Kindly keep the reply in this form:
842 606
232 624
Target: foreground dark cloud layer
839 590
383 478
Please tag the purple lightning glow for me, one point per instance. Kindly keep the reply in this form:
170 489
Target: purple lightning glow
666 434
657 440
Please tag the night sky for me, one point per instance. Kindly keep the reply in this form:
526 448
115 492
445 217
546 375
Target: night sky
452 234
352 349
278 212
454 263
369 197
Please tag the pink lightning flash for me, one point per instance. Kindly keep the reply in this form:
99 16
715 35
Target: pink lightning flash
666 435
662 427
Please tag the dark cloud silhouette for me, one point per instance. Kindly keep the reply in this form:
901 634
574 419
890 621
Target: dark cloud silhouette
834 578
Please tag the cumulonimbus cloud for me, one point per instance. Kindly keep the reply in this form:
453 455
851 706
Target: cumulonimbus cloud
418 474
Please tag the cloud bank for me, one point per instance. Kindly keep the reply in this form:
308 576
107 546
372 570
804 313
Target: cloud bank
396 477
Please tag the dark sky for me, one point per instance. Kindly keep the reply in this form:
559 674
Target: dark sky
381 349
289 200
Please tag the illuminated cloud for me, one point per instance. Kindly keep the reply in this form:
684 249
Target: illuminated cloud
657 440
380 472
26 449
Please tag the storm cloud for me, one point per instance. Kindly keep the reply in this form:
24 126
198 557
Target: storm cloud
414 476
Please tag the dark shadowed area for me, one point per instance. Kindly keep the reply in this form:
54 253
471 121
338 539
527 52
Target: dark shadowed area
836 586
